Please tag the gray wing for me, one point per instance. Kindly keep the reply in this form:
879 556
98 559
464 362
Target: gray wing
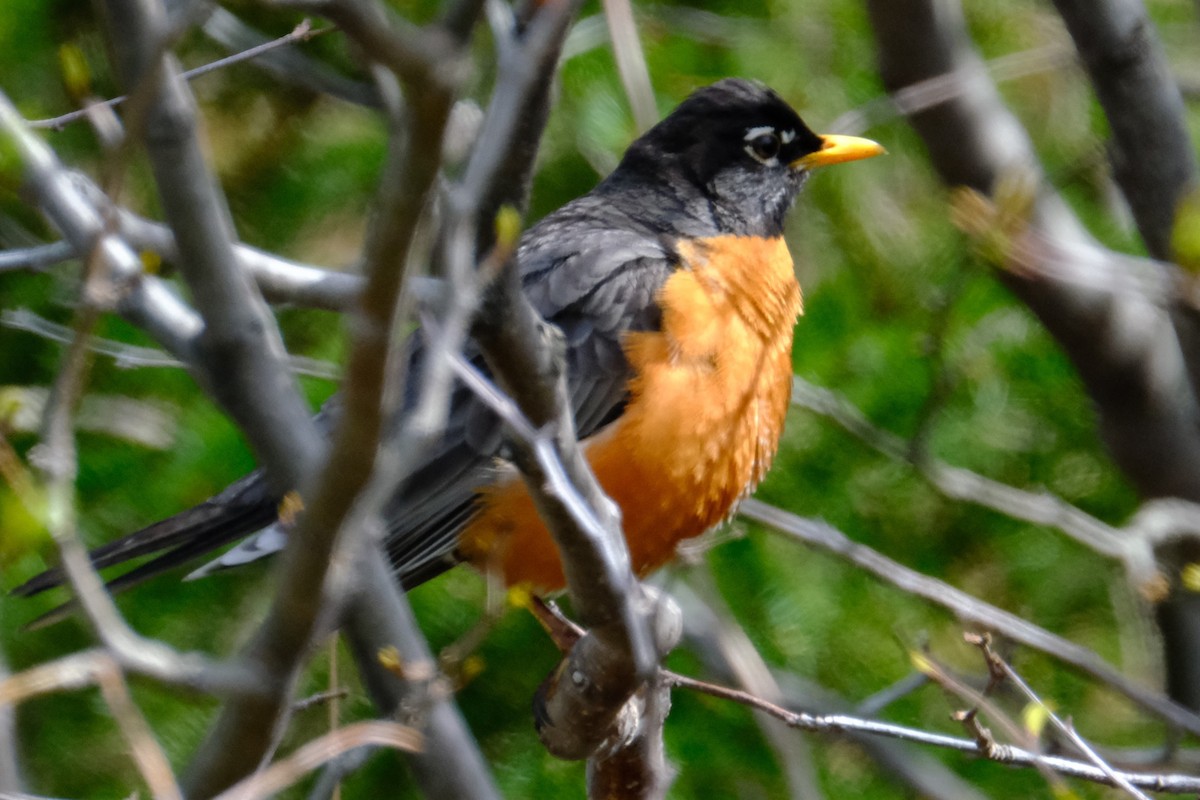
595 283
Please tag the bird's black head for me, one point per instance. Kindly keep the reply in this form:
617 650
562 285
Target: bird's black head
737 149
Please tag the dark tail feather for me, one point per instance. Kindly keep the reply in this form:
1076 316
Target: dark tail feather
172 558
241 509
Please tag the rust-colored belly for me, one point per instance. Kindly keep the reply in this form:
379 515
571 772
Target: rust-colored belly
708 400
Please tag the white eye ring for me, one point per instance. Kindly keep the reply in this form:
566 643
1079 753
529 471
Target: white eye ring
763 144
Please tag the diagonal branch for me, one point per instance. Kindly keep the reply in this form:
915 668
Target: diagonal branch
408 178
967 608
1002 754
240 347
1151 151
142 299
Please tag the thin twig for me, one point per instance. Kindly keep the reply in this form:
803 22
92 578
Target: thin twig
981 702
36 258
314 754
998 664
147 752
131 356
301 33
969 609
631 62
1040 508
328 697
1003 754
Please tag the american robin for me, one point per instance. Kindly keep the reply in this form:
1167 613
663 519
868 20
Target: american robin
677 297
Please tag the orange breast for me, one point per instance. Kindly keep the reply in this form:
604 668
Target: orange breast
708 400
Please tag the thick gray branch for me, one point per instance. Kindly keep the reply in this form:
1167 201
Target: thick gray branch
240 347
1123 344
1152 154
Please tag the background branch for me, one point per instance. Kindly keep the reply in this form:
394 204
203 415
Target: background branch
10 773
1127 349
1152 154
967 608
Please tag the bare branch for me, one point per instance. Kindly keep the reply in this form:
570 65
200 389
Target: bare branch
428 58
1040 508
998 664
301 33
967 608
407 180
96 667
708 618
1152 153
145 424
1003 754
143 300
314 754
378 617
1133 355
286 63
240 342
10 773
527 357
147 752
1125 348
129 356
280 280
631 62
37 258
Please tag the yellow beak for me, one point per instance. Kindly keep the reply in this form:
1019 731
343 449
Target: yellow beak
835 149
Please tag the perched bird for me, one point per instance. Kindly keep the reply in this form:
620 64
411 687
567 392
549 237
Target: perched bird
677 297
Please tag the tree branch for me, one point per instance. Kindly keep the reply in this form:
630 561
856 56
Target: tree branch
143 300
408 178
312 755
1151 151
378 617
1132 354
240 342
1002 754
967 608
10 773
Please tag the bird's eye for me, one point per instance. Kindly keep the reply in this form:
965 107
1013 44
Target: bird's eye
763 146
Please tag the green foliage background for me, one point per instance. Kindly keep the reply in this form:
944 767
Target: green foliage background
899 317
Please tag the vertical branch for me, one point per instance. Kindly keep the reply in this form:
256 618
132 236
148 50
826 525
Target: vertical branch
1151 151
240 347
631 62
10 773
498 173
379 617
